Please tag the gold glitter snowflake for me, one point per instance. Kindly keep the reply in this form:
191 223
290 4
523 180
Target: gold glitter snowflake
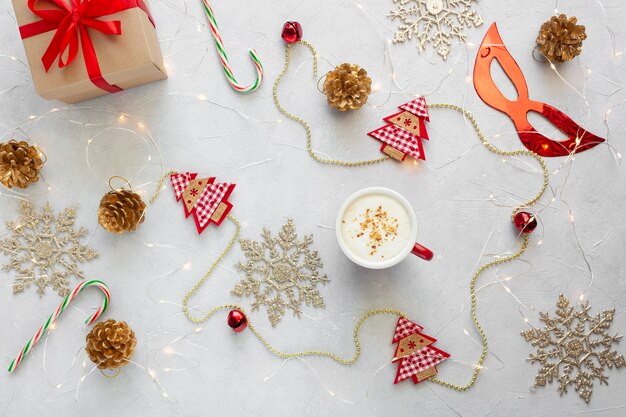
44 249
574 348
281 273
438 22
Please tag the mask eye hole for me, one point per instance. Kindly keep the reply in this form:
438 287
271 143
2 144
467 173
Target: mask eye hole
502 81
545 126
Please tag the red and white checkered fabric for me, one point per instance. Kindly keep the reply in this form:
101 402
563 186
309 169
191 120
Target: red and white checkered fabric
404 328
400 139
209 200
180 182
419 361
417 107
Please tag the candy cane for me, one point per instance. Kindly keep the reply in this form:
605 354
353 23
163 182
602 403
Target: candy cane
54 316
219 44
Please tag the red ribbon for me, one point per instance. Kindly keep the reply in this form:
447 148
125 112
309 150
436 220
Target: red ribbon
71 23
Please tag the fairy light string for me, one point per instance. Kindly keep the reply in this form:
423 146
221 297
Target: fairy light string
382 311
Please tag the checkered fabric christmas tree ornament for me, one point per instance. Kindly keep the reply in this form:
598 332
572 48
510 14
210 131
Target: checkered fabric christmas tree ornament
202 197
416 358
402 135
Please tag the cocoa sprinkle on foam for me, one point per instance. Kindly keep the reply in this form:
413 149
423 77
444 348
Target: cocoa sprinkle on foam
378 227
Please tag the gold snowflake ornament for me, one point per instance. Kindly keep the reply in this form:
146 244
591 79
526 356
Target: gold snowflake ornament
45 249
281 273
574 348
438 22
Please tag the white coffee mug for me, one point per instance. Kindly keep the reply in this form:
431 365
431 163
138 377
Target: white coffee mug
410 247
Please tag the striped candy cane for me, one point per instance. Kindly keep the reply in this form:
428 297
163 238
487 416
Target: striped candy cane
219 44
54 316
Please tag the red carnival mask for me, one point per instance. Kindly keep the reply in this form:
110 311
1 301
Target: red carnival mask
492 48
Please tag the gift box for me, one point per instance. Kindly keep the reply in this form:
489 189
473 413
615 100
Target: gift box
80 49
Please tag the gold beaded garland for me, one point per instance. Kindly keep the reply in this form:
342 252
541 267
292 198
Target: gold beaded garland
383 311
304 123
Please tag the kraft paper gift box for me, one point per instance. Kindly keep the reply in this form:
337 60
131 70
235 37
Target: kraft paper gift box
91 47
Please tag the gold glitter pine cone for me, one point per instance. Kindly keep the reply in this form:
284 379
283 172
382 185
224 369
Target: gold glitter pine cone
121 211
110 344
19 164
347 87
561 39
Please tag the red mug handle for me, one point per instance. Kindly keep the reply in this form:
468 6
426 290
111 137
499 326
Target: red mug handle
422 251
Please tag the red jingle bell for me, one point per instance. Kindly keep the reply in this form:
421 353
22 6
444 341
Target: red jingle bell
525 222
292 32
237 320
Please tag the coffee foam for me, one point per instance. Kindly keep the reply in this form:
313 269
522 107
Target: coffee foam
376 228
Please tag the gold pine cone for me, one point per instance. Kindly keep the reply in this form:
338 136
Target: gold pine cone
347 87
110 344
19 164
121 211
561 39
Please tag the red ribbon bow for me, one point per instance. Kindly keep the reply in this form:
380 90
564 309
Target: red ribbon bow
72 22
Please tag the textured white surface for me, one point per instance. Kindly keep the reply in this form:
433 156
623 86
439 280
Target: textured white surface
462 195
